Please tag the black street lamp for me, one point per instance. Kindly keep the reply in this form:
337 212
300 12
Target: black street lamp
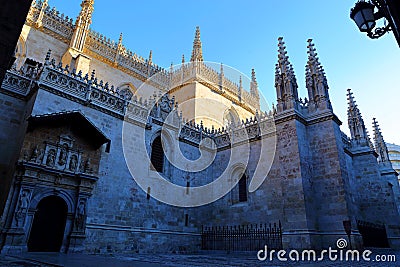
364 16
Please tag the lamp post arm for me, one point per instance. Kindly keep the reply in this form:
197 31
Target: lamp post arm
378 32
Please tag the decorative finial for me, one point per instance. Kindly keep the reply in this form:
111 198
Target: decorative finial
285 81
284 66
254 85
253 76
82 24
197 52
371 145
380 144
313 66
355 120
151 56
120 39
316 82
352 103
47 59
183 58
240 89
283 59
92 76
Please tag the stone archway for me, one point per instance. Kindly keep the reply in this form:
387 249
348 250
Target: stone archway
47 232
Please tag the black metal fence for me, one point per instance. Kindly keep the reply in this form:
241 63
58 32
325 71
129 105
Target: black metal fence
250 237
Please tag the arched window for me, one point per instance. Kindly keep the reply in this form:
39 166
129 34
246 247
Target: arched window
20 52
157 155
230 116
243 188
126 90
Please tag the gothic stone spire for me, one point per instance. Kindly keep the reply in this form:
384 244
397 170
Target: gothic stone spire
316 82
150 57
380 145
39 20
197 52
240 88
285 80
254 84
356 123
120 39
82 25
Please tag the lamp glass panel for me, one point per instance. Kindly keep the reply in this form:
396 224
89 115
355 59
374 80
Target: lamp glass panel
369 20
359 19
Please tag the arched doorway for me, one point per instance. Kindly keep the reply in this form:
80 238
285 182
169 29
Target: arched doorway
48 226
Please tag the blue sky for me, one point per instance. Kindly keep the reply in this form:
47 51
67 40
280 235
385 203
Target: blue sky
243 34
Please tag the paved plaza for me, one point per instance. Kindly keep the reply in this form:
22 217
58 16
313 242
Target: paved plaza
210 259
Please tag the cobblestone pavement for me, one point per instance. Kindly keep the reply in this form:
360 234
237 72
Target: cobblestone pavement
173 260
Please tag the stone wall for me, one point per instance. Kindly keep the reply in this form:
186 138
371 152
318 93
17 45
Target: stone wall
120 216
13 124
328 181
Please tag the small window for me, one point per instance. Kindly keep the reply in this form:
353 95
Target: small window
148 193
108 147
186 219
157 155
187 188
243 188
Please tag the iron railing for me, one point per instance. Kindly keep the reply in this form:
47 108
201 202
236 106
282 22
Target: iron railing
250 237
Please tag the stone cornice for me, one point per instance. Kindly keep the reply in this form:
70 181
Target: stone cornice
306 119
354 151
18 85
322 116
26 165
288 116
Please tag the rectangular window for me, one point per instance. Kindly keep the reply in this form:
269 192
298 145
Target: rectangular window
148 193
186 219
243 189
187 188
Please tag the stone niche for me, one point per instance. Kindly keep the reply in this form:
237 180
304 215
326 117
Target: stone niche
55 175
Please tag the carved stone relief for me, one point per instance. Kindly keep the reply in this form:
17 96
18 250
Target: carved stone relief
22 207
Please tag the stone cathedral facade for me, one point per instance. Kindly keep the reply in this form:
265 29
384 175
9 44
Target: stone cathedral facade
64 180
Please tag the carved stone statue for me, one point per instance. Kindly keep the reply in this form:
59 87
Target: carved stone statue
24 200
35 154
165 104
51 156
62 158
80 216
82 166
88 168
22 208
40 156
73 163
